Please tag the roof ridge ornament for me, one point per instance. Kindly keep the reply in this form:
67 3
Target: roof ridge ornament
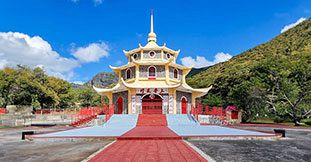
152 36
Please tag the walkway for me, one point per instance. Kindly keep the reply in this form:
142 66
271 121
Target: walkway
148 150
151 140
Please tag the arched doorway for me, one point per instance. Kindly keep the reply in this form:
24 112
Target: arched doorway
152 104
184 105
120 105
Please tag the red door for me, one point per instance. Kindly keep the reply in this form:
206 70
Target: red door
183 106
120 105
152 104
234 115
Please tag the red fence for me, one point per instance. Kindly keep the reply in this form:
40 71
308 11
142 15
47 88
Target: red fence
91 111
218 113
85 115
109 111
2 111
56 111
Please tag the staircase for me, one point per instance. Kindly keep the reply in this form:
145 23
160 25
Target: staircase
181 120
151 120
83 121
151 127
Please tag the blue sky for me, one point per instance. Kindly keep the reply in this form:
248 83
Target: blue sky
70 31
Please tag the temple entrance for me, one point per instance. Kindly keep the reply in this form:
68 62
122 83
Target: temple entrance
120 105
152 104
184 105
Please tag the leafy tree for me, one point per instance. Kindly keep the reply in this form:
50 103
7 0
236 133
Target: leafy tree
288 86
7 82
64 93
212 100
25 86
88 97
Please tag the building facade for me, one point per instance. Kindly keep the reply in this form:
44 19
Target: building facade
151 82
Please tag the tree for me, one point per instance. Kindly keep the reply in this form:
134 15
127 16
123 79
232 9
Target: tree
64 95
212 100
6 84
287 83
88 97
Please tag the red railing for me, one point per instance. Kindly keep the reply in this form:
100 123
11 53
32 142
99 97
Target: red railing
56 111
194 111
84 120
218 113
87 111
2 111
109 111
86 115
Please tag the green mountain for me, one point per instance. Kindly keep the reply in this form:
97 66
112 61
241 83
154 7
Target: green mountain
294 39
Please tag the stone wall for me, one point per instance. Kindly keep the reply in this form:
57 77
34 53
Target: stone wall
27 120
124 96
179 95
19 109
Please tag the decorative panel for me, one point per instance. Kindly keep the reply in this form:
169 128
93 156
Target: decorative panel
156 56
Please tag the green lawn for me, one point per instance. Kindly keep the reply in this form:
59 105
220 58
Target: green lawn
271 121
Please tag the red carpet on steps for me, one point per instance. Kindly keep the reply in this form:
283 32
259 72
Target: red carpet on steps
151 120
149 151
150 132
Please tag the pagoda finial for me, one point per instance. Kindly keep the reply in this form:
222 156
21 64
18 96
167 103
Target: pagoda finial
152 36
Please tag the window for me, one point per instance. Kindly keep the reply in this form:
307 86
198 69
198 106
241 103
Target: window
128 74
175 73
135 56
152 54
168 56
152 72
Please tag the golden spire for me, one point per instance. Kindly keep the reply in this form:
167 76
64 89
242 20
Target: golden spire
151 36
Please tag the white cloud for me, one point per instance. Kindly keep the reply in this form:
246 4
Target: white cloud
78 82
98 2
91 53
18 48
119 62
201 61
95 2
289 26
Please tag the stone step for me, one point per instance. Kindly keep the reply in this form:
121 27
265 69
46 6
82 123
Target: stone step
151 120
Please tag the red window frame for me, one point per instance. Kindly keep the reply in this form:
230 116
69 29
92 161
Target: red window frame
151 72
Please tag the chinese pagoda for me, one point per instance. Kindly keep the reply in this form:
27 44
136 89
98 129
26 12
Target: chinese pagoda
152 82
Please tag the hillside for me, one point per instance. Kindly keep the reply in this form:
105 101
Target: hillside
294 39
103 79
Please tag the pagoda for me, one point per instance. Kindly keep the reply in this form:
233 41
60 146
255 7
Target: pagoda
152 82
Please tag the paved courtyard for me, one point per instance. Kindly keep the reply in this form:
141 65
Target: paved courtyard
13 149
295 147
